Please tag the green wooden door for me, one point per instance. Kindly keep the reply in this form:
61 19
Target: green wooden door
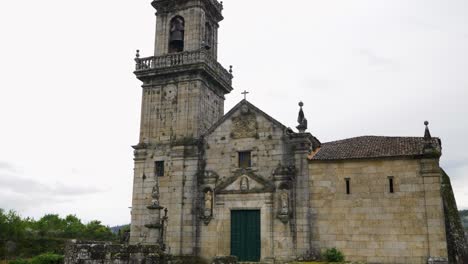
245 235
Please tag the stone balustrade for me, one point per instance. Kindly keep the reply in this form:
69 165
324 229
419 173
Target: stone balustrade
183 59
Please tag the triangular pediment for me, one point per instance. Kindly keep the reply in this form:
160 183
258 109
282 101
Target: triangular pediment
243 117
244 182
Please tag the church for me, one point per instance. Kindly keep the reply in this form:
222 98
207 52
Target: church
243 184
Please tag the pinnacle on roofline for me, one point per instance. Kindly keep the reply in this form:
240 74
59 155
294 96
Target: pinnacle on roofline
427 133
302 127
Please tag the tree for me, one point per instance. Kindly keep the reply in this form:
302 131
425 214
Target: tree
96 231
73 227
50 225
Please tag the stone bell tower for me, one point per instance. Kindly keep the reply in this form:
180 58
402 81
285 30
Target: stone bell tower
183 84
183 96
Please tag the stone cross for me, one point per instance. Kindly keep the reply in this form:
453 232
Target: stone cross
245 93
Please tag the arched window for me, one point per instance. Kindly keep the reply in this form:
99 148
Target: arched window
208 36
176 37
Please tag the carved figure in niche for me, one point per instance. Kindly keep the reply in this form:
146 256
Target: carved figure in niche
208 203
155 196
284 203
244 184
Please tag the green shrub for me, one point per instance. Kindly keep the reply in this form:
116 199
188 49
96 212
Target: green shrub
333 255
47 258
19 261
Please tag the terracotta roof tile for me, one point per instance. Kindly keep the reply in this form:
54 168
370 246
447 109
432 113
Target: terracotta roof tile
372 147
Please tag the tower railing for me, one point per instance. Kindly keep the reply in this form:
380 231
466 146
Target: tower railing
183 59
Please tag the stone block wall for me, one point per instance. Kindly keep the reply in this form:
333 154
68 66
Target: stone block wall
106 253
195 19
193 30
176 193
371 224
266 140
178 108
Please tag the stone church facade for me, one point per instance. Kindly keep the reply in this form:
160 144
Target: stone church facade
244 184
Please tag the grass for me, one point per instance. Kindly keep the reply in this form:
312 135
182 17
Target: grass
318 262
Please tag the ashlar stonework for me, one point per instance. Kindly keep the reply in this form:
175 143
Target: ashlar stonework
243 184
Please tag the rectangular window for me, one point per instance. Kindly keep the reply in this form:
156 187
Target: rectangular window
159 168
244 160
390 184
348 185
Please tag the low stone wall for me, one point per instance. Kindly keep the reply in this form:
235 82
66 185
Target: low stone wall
107 253
80 252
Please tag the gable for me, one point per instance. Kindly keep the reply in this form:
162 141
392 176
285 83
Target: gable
245 121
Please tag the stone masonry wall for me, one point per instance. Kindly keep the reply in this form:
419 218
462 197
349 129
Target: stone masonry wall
178 108
371 224
176 193
193 30
106 253
195 20
266 141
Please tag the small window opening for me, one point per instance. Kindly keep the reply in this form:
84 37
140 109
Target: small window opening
159 168
208 36
245 159
348 185
390 184
176 37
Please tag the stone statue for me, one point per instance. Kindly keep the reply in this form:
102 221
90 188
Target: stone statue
284 203
208 203
155 196
244 184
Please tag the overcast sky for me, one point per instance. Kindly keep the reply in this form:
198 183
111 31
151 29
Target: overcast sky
70 104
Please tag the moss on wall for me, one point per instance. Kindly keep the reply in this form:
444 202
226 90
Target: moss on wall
456 240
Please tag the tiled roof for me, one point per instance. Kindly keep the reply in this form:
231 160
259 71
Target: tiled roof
372 147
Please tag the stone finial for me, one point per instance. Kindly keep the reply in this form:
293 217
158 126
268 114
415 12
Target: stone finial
137 56
302 127
427 133
429 147
230 69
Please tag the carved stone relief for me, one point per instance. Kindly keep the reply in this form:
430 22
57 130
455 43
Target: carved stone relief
284 205
244 125
207 212
170 92
244 184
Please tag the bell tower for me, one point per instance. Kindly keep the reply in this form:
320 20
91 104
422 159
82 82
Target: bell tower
183 95
183 83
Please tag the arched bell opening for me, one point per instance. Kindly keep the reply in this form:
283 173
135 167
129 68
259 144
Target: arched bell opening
208 36
176 34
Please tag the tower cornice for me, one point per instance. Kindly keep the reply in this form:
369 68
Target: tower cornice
212 7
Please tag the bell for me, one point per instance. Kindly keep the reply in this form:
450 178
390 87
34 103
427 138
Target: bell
177 36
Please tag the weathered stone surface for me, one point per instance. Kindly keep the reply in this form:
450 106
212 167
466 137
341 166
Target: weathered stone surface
225 260
371 223
296 183
99 252
456 240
